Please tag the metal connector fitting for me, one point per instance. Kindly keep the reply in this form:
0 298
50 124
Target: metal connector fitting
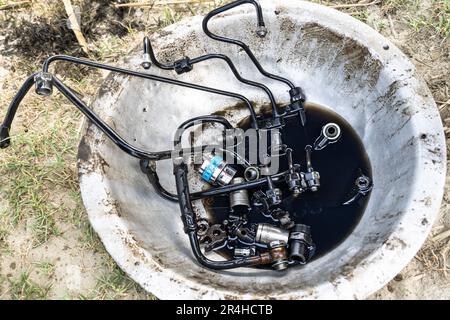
300 243
266 233
312 180
44 83
330 133
296 183
297 94
261 31
244 252
278 255
4 137
273 194
183 65
239 199
364 184
251 173
311 177
146 61
215 170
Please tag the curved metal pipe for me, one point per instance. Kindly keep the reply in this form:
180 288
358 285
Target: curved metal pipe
148 47
192 122
106 129
5 139
12 109
261 32
190 227
93 64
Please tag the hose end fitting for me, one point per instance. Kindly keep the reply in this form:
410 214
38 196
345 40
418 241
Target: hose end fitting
146 62
146 58
330 133
278 254
300 243
261 31
44 83
5 140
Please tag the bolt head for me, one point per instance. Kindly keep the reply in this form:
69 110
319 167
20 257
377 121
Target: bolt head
261 31
146 65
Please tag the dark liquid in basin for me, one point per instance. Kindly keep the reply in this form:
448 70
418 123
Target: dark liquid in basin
339 165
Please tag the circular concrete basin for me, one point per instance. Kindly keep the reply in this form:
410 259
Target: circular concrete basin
343 65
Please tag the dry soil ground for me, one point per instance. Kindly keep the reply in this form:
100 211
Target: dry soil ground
47 247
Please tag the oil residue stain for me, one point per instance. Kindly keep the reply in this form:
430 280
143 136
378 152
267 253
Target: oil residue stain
339 165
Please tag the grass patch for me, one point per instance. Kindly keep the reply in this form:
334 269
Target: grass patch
46 268
362 15
91 240
435 20
394 6
4 233
117 285
442 18
169 16
23 288
417 23
44 226
34 166
114 285
110 47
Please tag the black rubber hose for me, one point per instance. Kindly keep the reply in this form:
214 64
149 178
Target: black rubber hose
69 94
5 139
235 187
208 118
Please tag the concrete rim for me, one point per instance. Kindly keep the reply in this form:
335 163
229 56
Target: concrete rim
168 285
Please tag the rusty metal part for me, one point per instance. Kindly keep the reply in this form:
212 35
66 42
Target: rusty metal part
202 227
276 256
214 237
